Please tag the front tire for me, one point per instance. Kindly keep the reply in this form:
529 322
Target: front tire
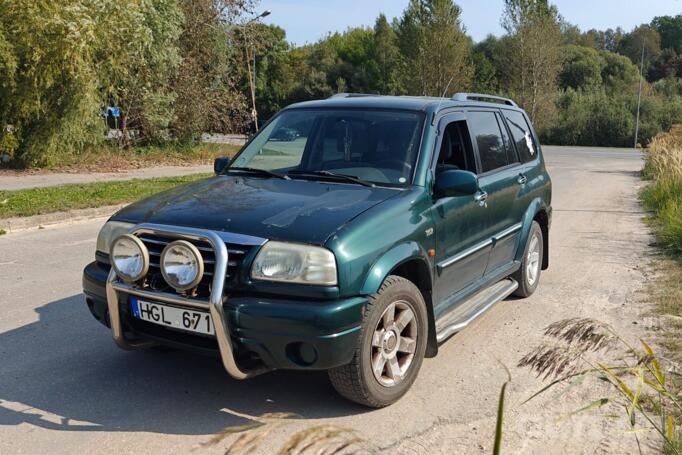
390 348
528 276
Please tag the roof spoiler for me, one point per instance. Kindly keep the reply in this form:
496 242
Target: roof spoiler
482 96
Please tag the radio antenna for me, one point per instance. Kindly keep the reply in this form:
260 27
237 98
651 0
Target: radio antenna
442 97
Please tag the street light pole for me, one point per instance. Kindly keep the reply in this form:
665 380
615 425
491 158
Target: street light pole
252 73
639 94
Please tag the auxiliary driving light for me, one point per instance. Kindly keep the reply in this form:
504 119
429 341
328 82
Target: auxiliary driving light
129 257
182 265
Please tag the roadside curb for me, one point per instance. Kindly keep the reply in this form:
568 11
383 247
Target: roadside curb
69 217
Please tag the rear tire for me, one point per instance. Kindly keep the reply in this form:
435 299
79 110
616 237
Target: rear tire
390 348
528 276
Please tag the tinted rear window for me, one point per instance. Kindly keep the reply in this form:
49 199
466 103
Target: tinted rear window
521 134
488 136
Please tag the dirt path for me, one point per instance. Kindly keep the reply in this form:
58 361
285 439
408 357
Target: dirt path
65 388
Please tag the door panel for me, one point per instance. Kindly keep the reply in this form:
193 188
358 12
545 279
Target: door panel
505 213
462 246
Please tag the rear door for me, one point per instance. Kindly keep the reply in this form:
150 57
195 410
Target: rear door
501 178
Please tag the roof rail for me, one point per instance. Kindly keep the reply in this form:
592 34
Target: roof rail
482 96
351 95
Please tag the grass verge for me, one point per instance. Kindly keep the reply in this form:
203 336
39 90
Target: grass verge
38 201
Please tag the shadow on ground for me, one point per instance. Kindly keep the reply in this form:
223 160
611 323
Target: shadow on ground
63 372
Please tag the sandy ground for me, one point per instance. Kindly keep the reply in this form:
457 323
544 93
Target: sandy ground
65 387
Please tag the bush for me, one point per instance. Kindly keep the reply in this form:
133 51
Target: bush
591 118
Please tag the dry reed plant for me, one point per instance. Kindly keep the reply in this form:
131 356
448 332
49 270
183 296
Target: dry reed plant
639 384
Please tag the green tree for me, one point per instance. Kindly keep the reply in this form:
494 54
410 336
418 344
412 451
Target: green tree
618 74
670 30
533 56
643 36
667 64
355 66
50 103
581 67
484 80
147 58
205 84
435 48
387 57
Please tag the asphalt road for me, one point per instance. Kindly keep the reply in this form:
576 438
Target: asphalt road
65 387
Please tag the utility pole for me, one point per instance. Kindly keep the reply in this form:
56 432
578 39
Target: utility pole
639 94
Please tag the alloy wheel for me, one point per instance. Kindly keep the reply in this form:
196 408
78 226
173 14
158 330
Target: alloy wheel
394 343
533 260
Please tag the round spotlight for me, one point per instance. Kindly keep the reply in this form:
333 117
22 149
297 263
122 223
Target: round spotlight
182 265
129 257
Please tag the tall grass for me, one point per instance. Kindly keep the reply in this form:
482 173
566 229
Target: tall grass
663 196
664 156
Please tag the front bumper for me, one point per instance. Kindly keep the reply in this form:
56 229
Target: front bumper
279 333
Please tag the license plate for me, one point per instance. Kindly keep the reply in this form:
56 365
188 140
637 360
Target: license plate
170 316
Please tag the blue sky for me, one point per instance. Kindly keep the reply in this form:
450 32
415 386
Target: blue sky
309 20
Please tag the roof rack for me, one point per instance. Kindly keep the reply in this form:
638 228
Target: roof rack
482 96
352 95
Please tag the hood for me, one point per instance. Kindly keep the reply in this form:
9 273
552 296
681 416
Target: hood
292 210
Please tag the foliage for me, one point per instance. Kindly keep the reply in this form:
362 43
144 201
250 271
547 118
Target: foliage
387 56
591 118
75 58
181 68
641 387
533 60
207 96
581 67
643 37
52 102
670 30
435 48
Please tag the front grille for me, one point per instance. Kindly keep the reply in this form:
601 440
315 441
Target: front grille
155 243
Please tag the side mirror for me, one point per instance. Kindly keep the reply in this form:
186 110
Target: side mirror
220 164
456 183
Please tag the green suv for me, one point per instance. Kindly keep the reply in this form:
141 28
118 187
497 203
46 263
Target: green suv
352 235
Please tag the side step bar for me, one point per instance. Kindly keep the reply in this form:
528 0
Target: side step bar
473 307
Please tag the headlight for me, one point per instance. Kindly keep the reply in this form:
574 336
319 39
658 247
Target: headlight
109 232
129 257
182 265
293 263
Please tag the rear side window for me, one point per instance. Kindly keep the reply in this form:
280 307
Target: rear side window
521 134
508 146
488 136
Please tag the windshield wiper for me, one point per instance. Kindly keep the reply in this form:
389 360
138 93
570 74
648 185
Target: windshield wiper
347 178
254 170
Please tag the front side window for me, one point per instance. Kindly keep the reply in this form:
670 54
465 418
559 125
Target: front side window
488 136
522 136
455 150
379 147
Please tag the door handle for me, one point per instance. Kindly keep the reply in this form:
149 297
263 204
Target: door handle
481 197
522 179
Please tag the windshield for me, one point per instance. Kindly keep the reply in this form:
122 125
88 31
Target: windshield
373 146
